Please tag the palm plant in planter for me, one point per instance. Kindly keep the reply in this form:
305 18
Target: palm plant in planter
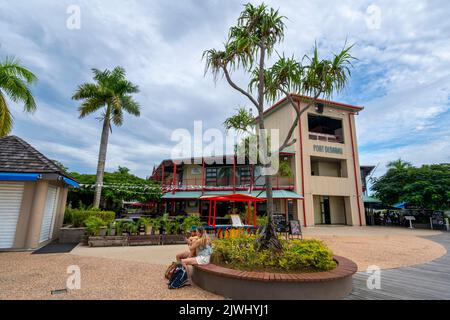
155 225
93 226
119 228
132 228
166 224
146 222
190 222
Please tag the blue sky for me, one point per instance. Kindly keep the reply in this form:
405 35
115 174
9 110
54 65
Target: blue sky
402 76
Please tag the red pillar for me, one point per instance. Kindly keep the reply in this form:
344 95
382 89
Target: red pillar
254 214
209 213
203 173
214 217
248 212
303 174
234 174
354 167
174 177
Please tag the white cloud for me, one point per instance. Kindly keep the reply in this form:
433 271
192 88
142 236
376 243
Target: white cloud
401 77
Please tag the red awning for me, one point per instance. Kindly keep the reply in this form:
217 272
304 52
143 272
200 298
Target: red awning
236 197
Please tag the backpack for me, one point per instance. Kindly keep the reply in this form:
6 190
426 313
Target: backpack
170 270
179 278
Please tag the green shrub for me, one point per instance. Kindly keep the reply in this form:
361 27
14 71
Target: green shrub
131 227
106 216
93 225
77 217
261 221
156 224
297 255
189 222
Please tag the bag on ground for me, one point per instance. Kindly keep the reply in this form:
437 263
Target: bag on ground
179 278
170 270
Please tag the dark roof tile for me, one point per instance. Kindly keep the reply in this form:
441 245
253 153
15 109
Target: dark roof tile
17 155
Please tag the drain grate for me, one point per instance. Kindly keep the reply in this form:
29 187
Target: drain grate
58 291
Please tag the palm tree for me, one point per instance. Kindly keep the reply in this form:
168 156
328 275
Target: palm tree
112 92
249 44
14 83
399 165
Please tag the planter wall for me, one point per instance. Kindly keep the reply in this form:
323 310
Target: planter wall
144 240
108 241
237 284
136 240
173 239
72 235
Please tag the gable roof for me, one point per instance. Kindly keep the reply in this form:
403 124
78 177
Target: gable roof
301 98
17 156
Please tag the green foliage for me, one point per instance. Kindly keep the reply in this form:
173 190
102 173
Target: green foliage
425 187
240 122
190 222
297 255
156 224
119 185
165 223
15 81
146 222
261 220
77 217
93 225
285 169
131 227
119 225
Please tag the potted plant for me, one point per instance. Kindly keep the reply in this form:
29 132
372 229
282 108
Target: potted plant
190 222
111 231
93 225
132 228
146 222
156 225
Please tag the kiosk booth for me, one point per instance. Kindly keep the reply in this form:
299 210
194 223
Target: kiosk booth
237 227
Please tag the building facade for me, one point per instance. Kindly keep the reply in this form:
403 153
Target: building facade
322 185
327 170
33 193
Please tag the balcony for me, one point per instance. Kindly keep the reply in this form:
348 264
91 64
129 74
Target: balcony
226 184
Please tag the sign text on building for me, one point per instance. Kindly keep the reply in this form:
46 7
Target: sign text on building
328 149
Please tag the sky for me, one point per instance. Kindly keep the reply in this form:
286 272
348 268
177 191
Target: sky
401 77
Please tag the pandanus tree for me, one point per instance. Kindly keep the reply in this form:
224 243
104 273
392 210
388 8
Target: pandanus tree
251 42
15 80
112 93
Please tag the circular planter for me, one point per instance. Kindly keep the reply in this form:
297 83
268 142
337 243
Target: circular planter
246 285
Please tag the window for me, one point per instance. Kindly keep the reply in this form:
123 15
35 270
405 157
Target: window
327 167
244 176
211 176
325 128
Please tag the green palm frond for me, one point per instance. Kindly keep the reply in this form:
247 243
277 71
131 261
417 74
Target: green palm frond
324 76
110 89
12 67
6 119
15 81
130 106
90 105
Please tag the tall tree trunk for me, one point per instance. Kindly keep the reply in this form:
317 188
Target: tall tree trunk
268 238
102 158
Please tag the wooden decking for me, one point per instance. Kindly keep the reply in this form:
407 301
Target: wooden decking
427 281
